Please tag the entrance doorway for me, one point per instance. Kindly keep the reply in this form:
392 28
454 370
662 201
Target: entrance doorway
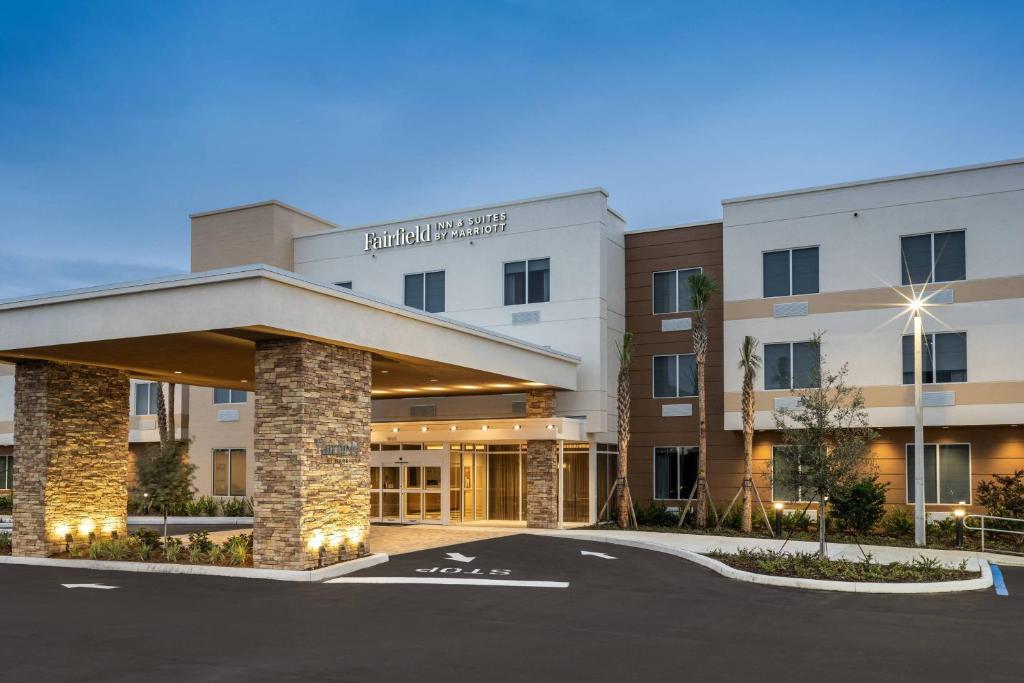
406 486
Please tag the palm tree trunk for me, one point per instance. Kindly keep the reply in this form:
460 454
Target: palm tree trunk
623 455
702 447
172 428
748 481
161 412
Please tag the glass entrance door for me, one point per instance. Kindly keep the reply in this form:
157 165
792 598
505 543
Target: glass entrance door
406 486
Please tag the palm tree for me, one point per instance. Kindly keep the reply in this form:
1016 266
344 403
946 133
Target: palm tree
702 288
624 399
749 363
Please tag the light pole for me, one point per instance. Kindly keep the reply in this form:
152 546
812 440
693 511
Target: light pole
919 513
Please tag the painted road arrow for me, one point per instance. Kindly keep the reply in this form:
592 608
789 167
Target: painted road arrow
459 557
88 585
602 555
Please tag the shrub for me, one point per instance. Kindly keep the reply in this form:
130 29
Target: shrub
200 540
204 506
812 566
236 507
655 514
6 504
1003 495
898 522
5 544
797 520
215 555
237 549
860 505
172 549
147 537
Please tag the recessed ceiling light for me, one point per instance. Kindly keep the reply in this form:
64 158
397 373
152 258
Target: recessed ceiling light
177 372
384 372
245 381
433 379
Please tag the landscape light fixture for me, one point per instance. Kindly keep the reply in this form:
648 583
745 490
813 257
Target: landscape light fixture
960 513
778 519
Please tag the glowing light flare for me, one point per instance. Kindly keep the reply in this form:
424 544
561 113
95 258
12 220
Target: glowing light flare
86 526
316 541
62 530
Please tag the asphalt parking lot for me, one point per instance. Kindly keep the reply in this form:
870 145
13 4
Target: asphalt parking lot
639 615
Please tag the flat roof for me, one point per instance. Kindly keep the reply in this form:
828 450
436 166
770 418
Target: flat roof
874 181
267 202
469 209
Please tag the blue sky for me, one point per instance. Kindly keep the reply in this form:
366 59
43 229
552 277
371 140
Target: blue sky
118 119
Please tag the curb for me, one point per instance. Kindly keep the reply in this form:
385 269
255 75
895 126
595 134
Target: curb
980 583
149 520
310 576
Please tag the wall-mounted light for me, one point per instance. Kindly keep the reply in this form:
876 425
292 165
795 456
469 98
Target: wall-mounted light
517 427
394 430
454 428
485 428
423 428
549 426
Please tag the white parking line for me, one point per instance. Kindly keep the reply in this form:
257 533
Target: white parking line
448 582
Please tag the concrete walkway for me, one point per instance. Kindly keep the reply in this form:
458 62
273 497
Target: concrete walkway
704 544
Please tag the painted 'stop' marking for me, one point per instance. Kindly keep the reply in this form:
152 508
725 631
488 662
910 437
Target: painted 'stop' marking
448 582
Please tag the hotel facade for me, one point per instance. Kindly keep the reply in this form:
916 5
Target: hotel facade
469 357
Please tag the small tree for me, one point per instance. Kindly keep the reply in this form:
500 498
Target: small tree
164 475
829 434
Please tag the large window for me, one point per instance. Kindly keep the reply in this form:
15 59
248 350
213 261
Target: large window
675 376
947 481
785 466
934 257
229 472
790 271
528 282
6 471
943 357
672 290
791 365
145 398
425 291
675 471
229 396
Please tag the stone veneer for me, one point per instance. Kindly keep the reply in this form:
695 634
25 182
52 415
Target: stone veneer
70 454
541 467
312 406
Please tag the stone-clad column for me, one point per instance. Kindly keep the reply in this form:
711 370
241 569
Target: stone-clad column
70 454
541 466
312 452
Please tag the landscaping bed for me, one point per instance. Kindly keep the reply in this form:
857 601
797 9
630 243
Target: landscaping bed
811 566
146 545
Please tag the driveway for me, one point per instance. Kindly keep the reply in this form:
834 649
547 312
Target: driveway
623 614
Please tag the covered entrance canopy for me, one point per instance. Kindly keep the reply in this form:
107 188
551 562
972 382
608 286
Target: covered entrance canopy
202 329
311 352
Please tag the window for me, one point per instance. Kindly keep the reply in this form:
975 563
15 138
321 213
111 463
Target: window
675 376
145 398
229 396
785 464
229 472
934 257
672 290
347 284
947 481
943 357
6 471
675 471
791 365
425 291
528 282
790 271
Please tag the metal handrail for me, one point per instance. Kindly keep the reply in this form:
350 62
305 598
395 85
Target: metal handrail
982 528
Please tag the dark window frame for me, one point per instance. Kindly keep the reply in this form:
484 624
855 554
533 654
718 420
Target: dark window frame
904 266
928 349
423 290
232 397
527 297
789 291
675 290
908 489
680 483
679 386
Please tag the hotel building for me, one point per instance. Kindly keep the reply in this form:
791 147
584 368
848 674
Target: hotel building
470 355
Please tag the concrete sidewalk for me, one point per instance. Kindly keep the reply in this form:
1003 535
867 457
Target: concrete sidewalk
704 544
